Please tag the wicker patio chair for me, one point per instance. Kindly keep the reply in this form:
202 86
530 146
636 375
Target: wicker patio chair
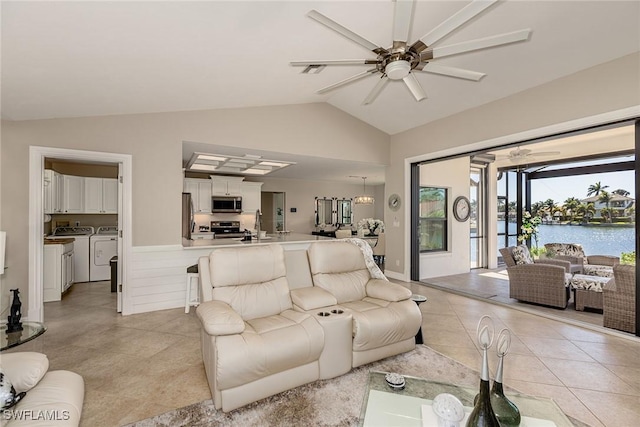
542 281
619 305
592 265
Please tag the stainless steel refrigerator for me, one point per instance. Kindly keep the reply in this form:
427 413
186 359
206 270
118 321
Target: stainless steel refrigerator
188 224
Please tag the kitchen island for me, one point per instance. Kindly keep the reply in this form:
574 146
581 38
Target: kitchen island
295 239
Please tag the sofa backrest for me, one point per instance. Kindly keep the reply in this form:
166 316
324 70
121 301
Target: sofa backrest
339 268
251 279
298 272
625 277
565 249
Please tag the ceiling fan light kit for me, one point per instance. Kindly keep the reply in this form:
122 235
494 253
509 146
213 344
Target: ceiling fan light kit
403 61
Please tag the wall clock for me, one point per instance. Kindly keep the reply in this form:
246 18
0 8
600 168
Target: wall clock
461 208
394 202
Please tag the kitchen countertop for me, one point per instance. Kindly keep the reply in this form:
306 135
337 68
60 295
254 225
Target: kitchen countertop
59 241
271 239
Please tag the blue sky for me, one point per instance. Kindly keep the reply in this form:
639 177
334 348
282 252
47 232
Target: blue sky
560 189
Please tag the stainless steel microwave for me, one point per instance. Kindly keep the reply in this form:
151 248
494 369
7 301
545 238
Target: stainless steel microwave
226 204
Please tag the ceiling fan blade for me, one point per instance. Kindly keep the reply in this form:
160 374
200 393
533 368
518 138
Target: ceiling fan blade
348 80
414 86
402 20
335 62
444 70
469 46
382 83
328 22
456 20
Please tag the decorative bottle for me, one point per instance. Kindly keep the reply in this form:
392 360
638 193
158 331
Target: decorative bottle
482 414
506 411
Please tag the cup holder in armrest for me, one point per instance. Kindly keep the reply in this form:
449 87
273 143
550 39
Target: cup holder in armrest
337 311
324 313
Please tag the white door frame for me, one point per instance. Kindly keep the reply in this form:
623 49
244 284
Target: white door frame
36 219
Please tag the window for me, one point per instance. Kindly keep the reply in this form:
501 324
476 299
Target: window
433 219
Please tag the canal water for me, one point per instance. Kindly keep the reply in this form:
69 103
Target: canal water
595 240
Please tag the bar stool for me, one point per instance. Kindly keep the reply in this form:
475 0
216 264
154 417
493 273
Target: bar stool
192 298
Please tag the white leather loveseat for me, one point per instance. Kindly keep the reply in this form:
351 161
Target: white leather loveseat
53 398
273 320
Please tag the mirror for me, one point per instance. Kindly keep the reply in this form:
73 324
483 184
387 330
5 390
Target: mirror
324 211
345 212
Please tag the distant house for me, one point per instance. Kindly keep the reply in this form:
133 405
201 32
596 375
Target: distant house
618 204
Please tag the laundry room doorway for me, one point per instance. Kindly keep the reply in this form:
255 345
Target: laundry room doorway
83 198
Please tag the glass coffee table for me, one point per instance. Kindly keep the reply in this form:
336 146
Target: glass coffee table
384 406
30 331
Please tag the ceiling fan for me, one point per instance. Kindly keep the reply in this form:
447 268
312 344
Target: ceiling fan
402 60
524 153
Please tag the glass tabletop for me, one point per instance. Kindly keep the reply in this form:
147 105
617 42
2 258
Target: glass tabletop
384 405
30 331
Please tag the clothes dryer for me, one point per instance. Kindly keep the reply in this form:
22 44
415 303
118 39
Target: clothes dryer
102 247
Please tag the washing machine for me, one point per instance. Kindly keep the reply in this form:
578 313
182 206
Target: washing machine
103 246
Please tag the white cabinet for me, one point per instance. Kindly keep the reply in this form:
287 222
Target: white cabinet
100 195
202 236
73 194
251 196
200 190
53 183
226 185
58 270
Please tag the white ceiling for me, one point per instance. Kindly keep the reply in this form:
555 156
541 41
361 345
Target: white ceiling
73 59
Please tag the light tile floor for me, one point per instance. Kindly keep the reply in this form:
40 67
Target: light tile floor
145 364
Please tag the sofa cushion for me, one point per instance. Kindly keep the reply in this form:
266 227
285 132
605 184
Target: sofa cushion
377 323
256 300
590 283
346 287
335 257
386 290
8 395
246 265
218 318
267 346
521 255
25 369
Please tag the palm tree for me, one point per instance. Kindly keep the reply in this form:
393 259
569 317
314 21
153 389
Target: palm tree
605 197
536 209
596 189
571 206
620 192
587 210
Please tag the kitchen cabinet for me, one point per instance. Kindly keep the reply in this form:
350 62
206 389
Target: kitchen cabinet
73 194
53 182
200 190
251 200
226 185
101 195
58 270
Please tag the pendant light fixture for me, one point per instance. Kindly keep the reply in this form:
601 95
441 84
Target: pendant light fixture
364 199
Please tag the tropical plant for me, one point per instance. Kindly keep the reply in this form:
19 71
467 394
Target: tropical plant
628 258
537 209
596 189
571 207
587 210
605 197
529 228
620 192
606 214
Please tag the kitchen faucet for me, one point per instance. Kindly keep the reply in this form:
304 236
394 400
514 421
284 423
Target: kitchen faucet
257 224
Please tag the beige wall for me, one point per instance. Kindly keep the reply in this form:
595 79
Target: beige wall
155 143
608 87
453 175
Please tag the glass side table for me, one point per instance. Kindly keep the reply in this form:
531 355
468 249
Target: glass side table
30 331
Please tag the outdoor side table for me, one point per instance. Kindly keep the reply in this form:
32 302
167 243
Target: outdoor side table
419 299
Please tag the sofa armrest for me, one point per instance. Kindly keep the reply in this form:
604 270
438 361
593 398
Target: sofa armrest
312 297
603 260
572 259
554 261
25 369
388 291
218 318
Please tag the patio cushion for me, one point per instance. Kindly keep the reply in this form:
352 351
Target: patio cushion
567 279
598 270
590 283
521 255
